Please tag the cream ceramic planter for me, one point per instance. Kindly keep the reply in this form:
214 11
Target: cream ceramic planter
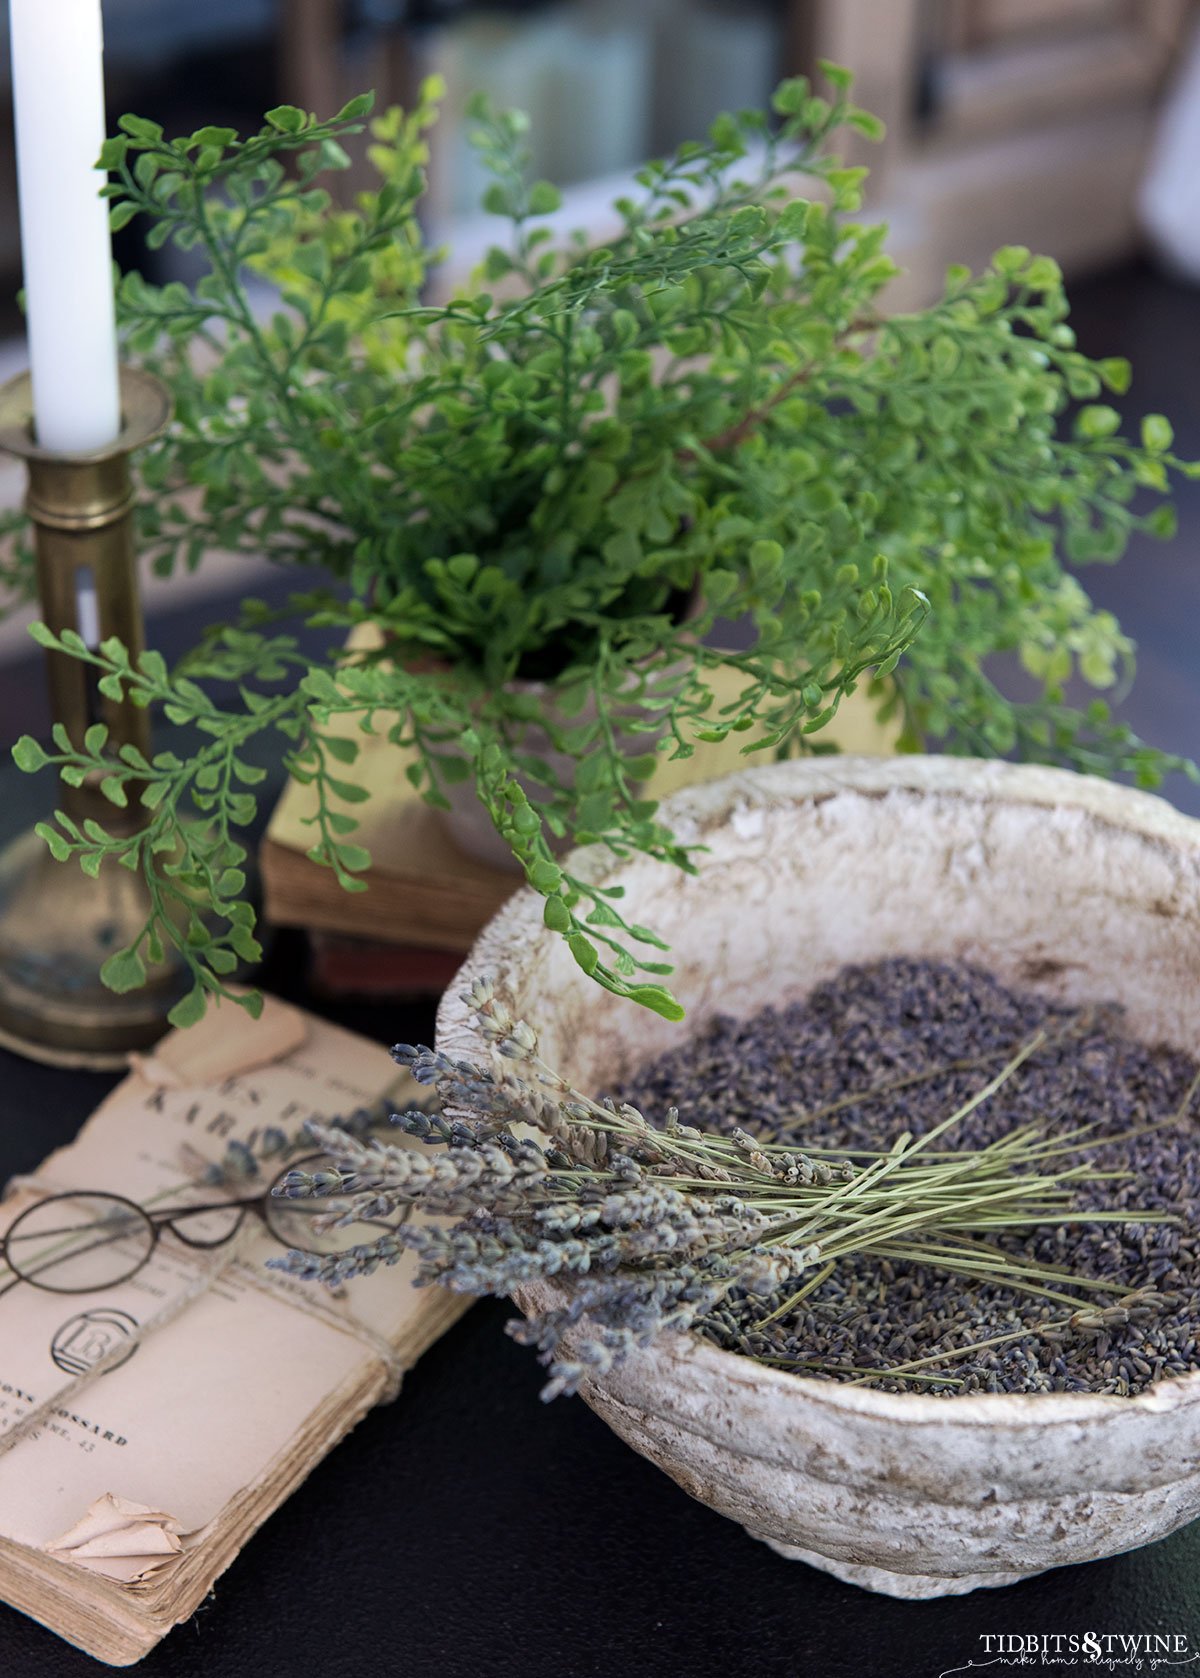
1058 883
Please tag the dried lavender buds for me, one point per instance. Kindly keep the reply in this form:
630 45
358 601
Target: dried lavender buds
879 1181
920 1035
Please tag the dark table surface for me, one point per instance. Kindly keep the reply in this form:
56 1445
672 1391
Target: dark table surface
468 1531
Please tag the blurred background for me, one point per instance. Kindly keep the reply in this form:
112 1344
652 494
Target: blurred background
1008 120
1072 126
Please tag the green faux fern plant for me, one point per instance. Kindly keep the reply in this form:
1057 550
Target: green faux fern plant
530 480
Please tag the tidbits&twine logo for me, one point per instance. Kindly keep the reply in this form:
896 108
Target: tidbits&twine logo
1105 1651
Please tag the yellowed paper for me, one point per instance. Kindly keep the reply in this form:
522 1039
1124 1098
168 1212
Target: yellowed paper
121 1540
167 1436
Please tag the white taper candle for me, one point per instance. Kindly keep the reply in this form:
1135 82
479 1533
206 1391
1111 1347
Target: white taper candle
58 99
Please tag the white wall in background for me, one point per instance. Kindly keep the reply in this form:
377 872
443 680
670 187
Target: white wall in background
582 75
711 56
1170 197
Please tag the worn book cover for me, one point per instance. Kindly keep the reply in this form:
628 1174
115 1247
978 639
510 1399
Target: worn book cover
147 1429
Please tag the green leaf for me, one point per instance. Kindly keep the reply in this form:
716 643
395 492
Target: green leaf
659 1000
123 971
556 915
1042 273
644 936
867 123
545 876
766 557
334 156
1010 259
526 820
246 945
55 843
462 568
212 138
320 685
189 1010
791 96
1157 433
1116 373
585 953
288 119
1163 522
544 199
146 133
836 74
28 755
944 356
720 586
360 106
453 770
726 135
339 747
1097 421
349 791
113 153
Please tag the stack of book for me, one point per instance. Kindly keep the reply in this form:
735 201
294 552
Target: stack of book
149 1427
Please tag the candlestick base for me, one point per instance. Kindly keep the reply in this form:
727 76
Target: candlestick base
57 924
57 927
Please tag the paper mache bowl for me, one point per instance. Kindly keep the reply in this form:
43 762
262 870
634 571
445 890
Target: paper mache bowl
1058 883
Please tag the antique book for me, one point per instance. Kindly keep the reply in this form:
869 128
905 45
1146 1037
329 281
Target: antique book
144 1436
372 970
423 893
421 890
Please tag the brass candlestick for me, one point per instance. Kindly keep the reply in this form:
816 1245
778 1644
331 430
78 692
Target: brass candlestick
57 925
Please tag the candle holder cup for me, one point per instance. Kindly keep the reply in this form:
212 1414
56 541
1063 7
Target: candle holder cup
57 925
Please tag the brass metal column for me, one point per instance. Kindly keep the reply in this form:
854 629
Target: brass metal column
57 925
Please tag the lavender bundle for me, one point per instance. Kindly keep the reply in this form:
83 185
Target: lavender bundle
653 1229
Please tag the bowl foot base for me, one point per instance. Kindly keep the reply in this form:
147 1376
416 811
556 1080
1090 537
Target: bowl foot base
913 1586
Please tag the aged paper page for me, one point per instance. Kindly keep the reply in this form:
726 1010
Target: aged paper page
132 1464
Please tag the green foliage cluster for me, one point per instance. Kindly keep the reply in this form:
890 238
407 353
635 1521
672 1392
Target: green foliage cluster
523 489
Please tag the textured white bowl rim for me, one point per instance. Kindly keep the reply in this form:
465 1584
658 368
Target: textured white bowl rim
520 921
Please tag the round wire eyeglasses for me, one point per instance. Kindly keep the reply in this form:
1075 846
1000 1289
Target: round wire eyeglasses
84 1241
